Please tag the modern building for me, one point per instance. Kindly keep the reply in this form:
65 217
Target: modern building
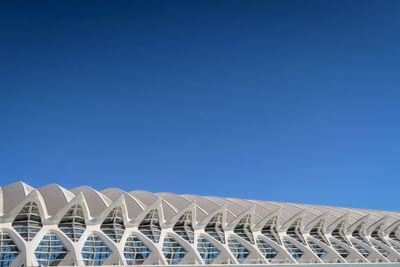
55 226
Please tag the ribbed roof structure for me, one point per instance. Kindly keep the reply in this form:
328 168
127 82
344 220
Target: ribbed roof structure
55 226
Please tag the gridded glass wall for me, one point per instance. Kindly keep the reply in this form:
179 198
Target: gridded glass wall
268 251
113 225
343 252
150 226
135 251
321 253
8 250
173 251
361 249
270 230
338 233
73 223
293 249
215 228
377 234
294 231
50 251
207 250
358 234
184 227
28 222
243 229
394 234
95 252
238 250
317 232
381 250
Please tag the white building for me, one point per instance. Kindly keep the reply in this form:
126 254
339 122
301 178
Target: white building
55 226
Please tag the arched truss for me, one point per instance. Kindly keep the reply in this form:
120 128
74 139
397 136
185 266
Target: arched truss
194 232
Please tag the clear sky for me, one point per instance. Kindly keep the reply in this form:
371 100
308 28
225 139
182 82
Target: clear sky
294 101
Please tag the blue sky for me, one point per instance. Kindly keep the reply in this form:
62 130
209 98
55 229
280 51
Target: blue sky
294 101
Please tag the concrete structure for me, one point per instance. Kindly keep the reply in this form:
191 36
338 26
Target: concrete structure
55 226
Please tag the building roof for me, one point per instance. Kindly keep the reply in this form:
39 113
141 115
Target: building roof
56 197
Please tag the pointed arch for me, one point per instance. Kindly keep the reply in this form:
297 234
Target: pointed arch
184 226
338 232
28 221
243 228
73 224
113 225
294 231
150 225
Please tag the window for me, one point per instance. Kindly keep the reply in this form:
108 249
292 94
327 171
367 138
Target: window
73 223
28 222
358 234
321 253
215 228
270 230
50 251
184 227
113 225
293 250
238 250
173 251
243 229
338 233
207 250
361 249
377 234
317 232
95 252
268 251
150 226
381 250
395 247
294 231
8 250
344 253
135 251
394 234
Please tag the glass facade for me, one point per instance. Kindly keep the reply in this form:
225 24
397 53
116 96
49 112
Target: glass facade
243 229
294 231
318 233
270 230
293 250
28 222
343 252
8 250
150 226
338 233
268 251
173 251
238 250
208 251
113 225
135 251
321 253
215 228
184 227
73 223
50 251
95 252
